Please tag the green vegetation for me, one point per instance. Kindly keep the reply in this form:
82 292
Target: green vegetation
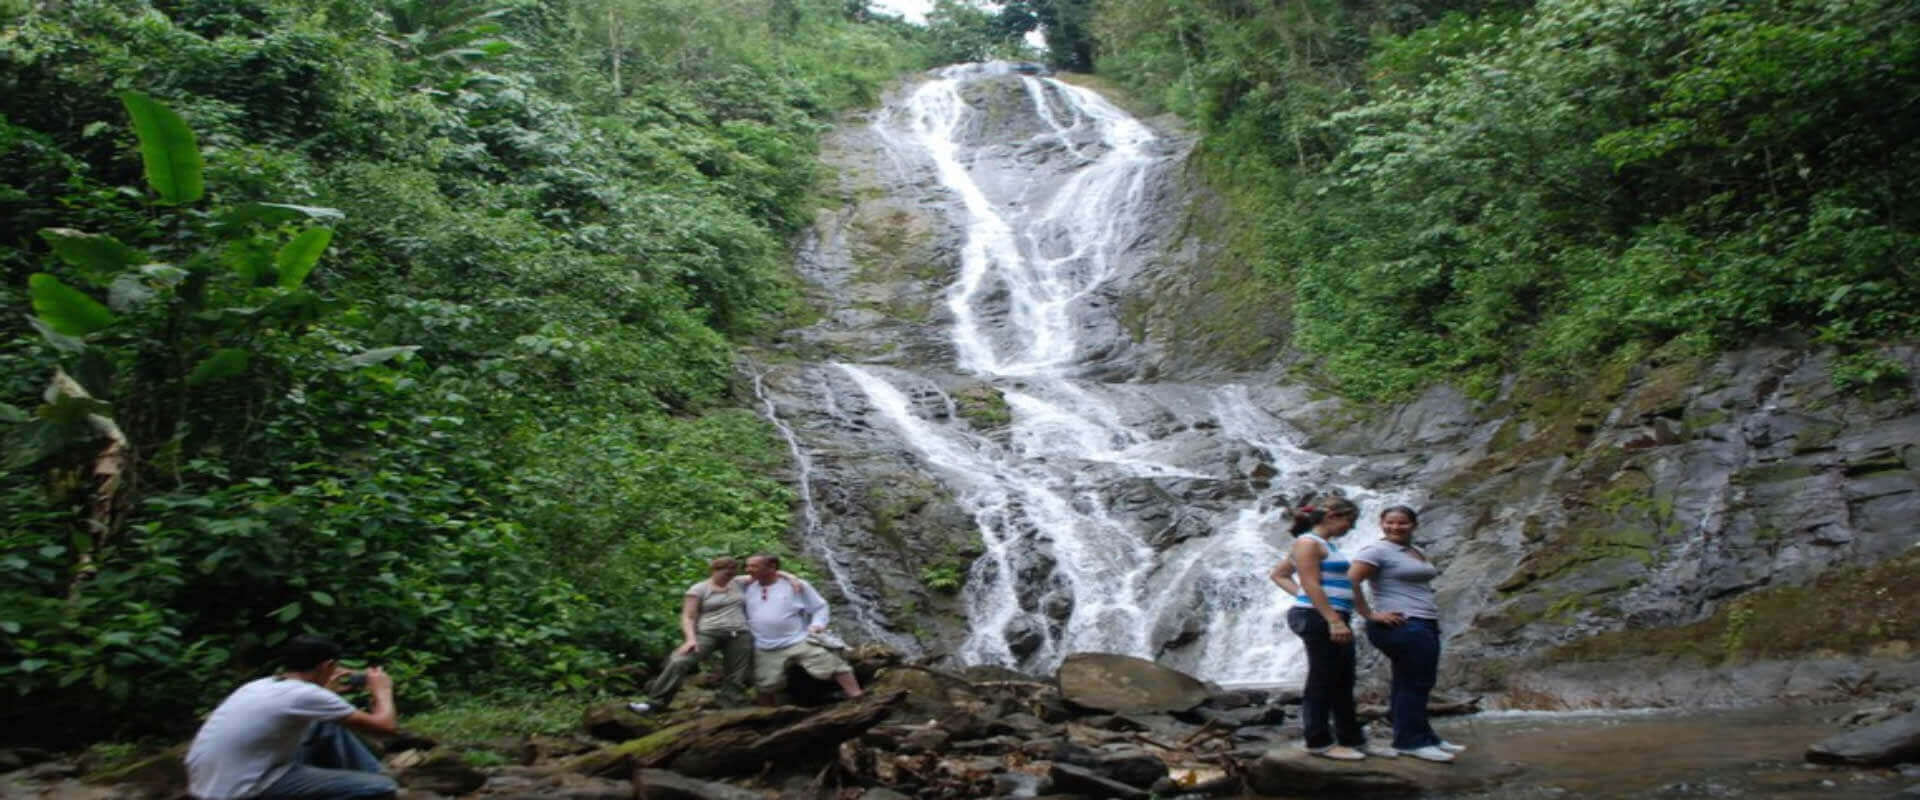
946 578
1847 611
406 322
1458 190
494 716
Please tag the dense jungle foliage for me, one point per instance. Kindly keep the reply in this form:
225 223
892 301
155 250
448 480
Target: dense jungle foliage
1454 189
405 321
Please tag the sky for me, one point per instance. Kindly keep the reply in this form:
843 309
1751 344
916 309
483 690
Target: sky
916 11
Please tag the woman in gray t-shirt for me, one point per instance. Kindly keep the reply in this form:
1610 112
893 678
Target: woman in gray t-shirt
1405 625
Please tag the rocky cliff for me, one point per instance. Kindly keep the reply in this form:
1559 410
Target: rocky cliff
1692 529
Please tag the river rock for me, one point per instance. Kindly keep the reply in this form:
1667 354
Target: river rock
1892 742
1291 772
1133 767
660 784
562 786
927 692
1113 682
441 771
1081 780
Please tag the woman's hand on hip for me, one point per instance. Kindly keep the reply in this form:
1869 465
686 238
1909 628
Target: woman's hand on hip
1391 619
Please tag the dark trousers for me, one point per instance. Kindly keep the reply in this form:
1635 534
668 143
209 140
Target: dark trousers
331 765
1414 648
1329 690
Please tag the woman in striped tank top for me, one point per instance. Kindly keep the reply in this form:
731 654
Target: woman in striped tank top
1324 603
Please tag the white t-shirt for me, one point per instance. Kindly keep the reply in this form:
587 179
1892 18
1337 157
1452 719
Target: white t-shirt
251 739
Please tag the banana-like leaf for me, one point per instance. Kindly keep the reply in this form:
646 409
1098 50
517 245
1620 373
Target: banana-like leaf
169 149
100 256
59 341
66 309
297 257
224 363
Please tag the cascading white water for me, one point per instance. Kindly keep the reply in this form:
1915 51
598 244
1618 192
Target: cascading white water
1062 572
865 615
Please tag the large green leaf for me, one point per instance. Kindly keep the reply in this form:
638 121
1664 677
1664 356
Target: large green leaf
168 148
100 256
66 309
296 258
224 363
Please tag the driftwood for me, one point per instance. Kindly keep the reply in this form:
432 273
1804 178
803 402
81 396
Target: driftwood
741 742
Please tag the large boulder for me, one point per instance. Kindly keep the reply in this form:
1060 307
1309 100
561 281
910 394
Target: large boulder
1113 682
1293 772
1892 742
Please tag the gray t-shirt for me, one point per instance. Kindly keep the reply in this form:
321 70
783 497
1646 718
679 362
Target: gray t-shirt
249 741
720 609
1404 581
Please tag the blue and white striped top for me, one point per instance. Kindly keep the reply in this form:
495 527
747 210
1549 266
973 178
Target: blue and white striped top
1333 578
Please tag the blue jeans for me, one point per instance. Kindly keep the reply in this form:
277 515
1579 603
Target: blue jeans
1329 690
1414 648
331 765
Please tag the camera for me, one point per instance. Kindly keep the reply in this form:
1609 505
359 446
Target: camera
354 680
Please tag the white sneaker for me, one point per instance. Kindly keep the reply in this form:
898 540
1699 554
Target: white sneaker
639 708
1338 752
1380 751
1451 747
1429 753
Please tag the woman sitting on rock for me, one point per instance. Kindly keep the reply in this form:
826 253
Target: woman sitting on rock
1324 602
1405 626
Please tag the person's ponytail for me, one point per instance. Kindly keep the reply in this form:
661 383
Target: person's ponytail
1307 516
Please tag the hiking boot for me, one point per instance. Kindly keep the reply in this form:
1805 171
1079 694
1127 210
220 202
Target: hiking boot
1431 752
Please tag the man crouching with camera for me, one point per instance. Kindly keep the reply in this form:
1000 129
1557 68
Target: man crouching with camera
285 737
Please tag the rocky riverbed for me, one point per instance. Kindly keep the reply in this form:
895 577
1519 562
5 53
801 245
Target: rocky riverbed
1104 726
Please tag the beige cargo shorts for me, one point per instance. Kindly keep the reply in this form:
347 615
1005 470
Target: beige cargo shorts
770 666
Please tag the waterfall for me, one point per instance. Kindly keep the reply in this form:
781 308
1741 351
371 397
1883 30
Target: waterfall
865 613
1066 568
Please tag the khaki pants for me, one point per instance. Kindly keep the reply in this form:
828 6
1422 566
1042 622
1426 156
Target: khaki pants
736 648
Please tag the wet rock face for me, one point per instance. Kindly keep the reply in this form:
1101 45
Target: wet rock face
1647 497
1655 497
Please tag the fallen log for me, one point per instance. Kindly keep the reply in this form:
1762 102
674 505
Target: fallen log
740 742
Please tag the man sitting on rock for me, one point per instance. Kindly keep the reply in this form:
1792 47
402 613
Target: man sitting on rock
782 615
282 736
